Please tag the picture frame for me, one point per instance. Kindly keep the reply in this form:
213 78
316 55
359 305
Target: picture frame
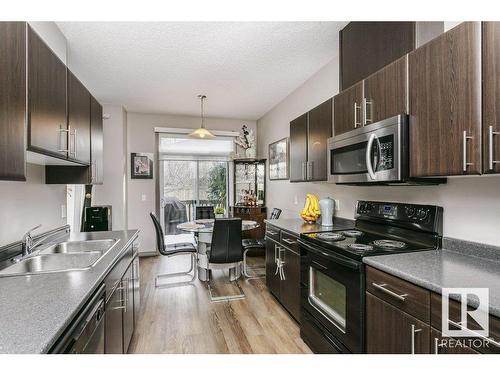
279 166
141 165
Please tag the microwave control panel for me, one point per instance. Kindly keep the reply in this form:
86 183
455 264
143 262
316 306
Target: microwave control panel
386 161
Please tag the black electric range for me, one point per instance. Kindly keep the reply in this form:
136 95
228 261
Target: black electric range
333 275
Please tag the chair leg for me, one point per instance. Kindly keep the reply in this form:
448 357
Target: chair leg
193 268
246 268
241 294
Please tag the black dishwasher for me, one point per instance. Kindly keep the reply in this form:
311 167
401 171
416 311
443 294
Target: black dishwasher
85 335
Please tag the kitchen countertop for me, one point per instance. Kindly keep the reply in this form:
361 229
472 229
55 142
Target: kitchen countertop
36 309
455 267
298 226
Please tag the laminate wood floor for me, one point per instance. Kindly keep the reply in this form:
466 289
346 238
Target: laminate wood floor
184 320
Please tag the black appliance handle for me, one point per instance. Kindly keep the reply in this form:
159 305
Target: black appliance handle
342 260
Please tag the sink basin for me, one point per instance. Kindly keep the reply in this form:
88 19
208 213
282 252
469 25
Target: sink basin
44 263
100 246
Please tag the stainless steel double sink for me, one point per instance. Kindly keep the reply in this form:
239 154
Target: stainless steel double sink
61 257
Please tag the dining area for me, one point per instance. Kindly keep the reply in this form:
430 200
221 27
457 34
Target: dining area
213 245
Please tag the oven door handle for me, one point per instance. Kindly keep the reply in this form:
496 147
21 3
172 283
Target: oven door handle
339 259
368 156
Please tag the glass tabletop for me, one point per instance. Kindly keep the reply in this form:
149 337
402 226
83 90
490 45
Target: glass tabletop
207 225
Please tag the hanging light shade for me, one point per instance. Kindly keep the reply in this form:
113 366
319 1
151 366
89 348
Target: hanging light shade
202 132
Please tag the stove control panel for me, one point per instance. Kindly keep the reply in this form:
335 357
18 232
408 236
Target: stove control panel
423 217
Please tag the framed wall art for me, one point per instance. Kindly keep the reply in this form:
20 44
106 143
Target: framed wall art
141 165
278 160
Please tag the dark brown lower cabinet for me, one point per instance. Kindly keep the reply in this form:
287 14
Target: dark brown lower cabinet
391 331
290 283
113 326
272 278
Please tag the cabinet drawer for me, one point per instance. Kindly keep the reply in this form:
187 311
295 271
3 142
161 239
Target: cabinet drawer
454 316
402 294
273 233
290 241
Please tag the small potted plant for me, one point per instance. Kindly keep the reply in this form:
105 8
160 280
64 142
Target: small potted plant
219 212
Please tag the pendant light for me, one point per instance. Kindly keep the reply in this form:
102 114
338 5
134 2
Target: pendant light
202 132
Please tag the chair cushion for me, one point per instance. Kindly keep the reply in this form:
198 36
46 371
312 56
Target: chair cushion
178 248
251 243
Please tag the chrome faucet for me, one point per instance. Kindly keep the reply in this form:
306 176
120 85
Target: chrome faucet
27 244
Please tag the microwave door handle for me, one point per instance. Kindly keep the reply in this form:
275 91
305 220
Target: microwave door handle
368 156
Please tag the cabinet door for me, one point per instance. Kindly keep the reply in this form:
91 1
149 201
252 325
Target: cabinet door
366 47
448 345
128 311
391 331
290 285
272 279
298 148
96 142
445 104
47 123
385 93
78 119
491 97
347 109
12 100
319 130
114 323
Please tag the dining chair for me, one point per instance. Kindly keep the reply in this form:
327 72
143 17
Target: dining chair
225 253
171 250
204 212
257 245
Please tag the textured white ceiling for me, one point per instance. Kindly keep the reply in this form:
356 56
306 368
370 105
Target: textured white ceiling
244 68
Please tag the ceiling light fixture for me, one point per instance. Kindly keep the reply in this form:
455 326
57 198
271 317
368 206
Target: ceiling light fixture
202 132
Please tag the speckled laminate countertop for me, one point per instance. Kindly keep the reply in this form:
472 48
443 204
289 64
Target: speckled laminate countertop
35 310
298 226
458 264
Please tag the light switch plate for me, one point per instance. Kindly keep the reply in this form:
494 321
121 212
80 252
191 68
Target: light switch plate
63 211
337 205
143 197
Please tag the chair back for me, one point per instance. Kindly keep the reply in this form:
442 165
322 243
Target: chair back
204 212
160 239
226 241
275 214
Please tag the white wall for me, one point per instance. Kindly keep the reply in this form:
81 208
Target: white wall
26 204
113 191
471 204
141 138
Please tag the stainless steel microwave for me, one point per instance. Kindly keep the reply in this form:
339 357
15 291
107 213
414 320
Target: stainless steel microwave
374 154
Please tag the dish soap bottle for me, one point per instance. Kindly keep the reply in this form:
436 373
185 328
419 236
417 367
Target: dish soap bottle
327 206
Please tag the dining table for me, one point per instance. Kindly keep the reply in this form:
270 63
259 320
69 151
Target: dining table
204 228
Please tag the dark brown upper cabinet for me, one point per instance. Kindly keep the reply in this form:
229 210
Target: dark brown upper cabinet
78 120
366 47
319 130
347 113
491 96
308 149
96 142
386 92
298 148
12 100
445 104
47 122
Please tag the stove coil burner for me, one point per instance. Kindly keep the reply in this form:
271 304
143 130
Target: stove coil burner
352 233
360 247
389 244
330 236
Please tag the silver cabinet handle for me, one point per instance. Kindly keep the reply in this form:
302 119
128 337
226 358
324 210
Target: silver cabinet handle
290 242
413 332
272 233
366 119
436 345
92 171
61 131
491 160
464 145
382 288
356 107
309 170
473 333
304 171
75 135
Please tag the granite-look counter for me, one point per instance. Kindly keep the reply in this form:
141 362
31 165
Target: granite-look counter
35 310
459 264
298 226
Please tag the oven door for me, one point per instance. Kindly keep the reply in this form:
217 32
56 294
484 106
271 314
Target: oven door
332 293
376 153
